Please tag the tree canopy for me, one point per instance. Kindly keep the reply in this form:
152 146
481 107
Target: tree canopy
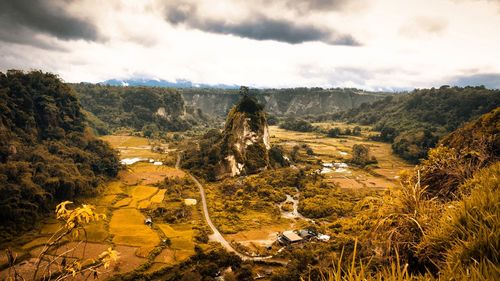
46 152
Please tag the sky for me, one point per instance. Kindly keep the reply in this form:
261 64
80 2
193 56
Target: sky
369 44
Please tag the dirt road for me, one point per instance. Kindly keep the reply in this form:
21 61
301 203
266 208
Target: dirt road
217 236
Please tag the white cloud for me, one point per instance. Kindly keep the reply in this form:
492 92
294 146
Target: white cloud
403 44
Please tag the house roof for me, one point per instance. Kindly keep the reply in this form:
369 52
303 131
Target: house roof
291 236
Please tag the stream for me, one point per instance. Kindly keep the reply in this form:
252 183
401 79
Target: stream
294 214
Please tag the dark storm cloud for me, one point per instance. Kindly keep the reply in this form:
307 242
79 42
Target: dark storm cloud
324 5
489 80
258 27
22 19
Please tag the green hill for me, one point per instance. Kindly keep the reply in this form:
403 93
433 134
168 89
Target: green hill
113 107
47 154
415 122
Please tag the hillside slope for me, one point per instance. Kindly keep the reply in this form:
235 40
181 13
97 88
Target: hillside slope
414 122
46 152
158 109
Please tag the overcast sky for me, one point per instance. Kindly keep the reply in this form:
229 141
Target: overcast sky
369 44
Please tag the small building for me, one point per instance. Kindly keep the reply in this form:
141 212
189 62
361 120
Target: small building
148 221
190 202
305 234
290 237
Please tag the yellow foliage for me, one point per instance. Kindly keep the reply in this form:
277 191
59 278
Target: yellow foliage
79 216
108 256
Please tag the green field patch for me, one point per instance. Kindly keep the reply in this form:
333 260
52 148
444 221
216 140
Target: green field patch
128 228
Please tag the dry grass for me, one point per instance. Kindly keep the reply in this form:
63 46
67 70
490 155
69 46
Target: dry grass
128 228
182 244
114 188
81 250
40 241
173 256
140 193
146 173
96 232
329 150
158 197
123 202
124 141
127 262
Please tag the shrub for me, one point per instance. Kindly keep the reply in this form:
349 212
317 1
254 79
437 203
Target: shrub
297 125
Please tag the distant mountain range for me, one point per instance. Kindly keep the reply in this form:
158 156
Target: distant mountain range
164 83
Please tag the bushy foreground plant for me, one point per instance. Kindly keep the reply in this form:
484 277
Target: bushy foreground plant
51 265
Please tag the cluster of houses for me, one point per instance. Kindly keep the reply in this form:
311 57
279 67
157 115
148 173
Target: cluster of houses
297 236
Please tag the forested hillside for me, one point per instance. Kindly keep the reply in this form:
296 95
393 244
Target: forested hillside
140 108
46 152
414 122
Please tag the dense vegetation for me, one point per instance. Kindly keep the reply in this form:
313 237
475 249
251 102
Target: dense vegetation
298 125
442 224
140 108
414 122
46 152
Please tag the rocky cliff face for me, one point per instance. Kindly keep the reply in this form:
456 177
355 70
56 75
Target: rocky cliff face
244 146
282 102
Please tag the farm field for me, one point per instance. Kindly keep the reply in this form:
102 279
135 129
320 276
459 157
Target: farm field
127 202
382 176
256 228
139 191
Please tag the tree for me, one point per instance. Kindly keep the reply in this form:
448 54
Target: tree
333 132
356 131
360 155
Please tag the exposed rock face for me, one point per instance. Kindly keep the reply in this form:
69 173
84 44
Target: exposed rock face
282 102
244 146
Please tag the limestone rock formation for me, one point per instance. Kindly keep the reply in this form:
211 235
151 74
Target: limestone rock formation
244 146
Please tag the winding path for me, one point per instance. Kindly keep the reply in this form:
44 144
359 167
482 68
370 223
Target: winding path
217 236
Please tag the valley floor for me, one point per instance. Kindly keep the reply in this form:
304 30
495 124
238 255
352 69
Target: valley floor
247 226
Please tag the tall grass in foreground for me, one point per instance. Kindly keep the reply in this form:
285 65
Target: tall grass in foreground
484 270
434 240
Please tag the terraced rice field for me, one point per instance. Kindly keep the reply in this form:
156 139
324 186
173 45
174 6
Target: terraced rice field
127 202
330 150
